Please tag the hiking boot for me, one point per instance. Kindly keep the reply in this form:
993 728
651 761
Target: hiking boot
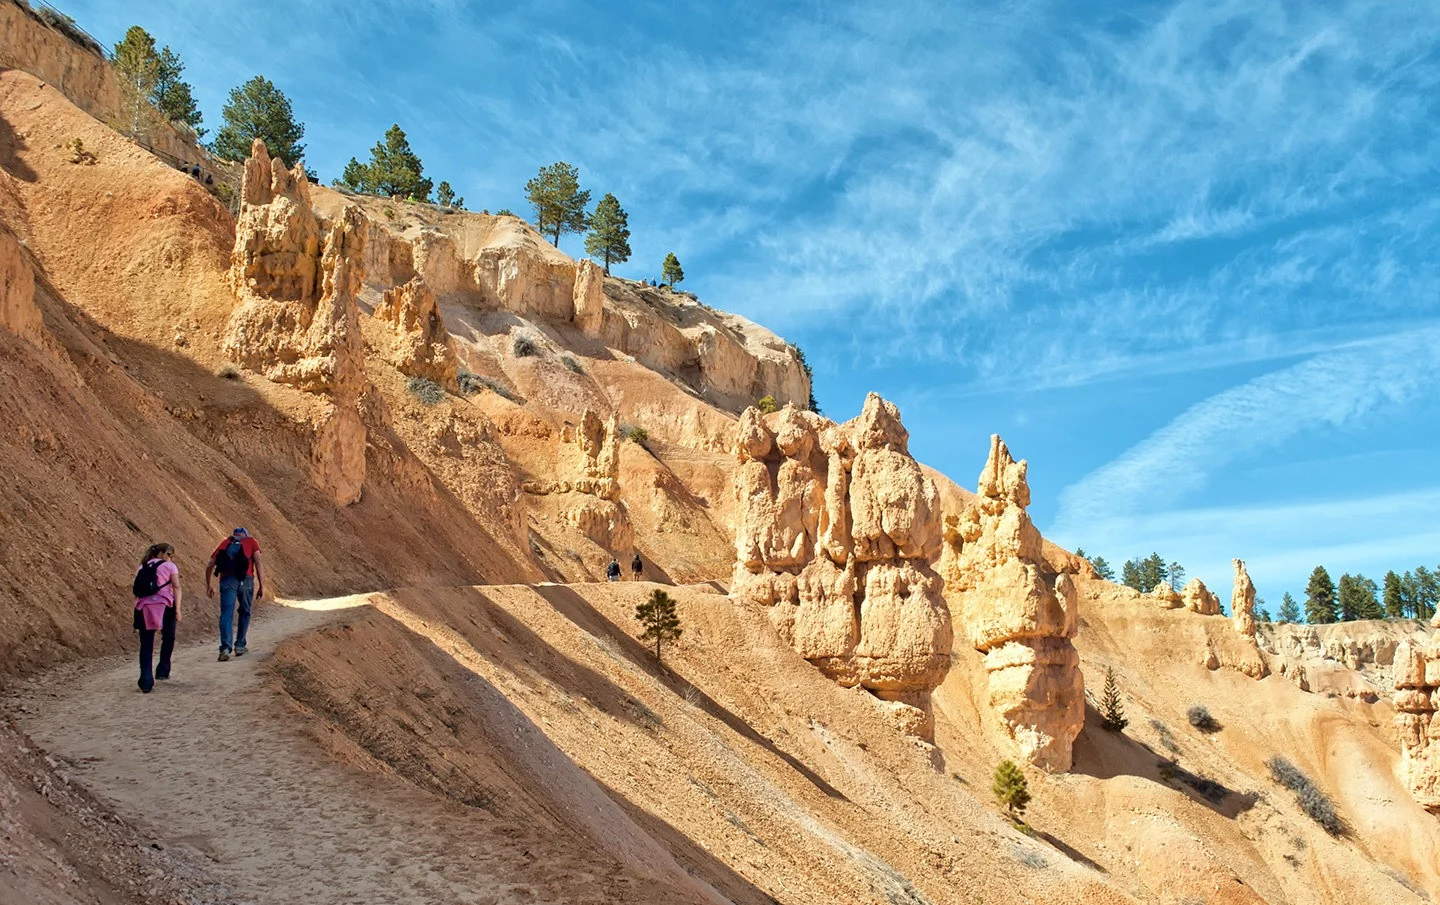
146 689
241 651
224 654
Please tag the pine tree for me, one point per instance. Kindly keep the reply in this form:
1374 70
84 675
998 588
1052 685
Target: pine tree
1427 592
354 175
1319 597
661 621
1102 569
810 404
444 194
1177 576
670 271
394 169
1367 599
1130 574
609 237
1112 709
1152 573
1409 594
558 201
1011 790
138 66
1394 599
1357 598
174 98
1289 609
257 109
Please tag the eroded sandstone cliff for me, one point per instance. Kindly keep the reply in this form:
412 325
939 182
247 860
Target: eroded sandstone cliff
297 322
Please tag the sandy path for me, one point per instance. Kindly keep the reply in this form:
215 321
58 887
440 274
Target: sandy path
214 760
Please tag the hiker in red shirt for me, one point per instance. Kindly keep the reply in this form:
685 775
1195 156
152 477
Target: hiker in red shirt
237 561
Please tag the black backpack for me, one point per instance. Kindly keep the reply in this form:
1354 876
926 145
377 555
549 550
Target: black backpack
147 582
231 562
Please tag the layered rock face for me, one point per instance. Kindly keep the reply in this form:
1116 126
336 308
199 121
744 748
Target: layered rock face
1242 601
1020 614
595 476
837 529
420 345
1200 599
297 322
1417 681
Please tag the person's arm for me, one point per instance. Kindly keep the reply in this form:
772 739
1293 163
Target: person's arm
177 592
209 577
259 577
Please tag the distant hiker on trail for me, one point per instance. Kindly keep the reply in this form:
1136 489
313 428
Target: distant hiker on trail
157 608
242 581
636 567
195 171
612 571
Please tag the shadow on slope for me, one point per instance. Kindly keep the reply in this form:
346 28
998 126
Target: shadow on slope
11 144
579 611
1105 755
417 703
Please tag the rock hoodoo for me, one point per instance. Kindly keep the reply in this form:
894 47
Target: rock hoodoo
1417 681
297 322
837 528
1242 601
1020 613
1200 599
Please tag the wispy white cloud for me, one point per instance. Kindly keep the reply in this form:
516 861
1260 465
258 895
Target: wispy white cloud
1331 390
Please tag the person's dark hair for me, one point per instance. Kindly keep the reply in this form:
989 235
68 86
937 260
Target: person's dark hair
154 550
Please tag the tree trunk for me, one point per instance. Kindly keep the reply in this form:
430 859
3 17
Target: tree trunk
657 648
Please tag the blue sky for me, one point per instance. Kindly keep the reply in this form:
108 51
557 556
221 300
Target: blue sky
1180 255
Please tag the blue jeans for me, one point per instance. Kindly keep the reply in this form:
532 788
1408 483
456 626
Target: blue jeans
233 591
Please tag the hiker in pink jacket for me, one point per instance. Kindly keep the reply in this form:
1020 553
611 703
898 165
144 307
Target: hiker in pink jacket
157 608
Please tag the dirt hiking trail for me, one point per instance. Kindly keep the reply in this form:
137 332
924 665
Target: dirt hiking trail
214 761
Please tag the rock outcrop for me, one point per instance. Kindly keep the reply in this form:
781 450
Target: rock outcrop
1020 613
420 345
1200 599
1417 682
1242 601
1166 596
837 527
297 322
18 312
599 442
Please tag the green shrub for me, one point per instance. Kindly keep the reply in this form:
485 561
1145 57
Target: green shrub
766 405
426 390
523 345
1199 717
570 362
638 435
1011 790
1112 708
470 383
228 372
1309 796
